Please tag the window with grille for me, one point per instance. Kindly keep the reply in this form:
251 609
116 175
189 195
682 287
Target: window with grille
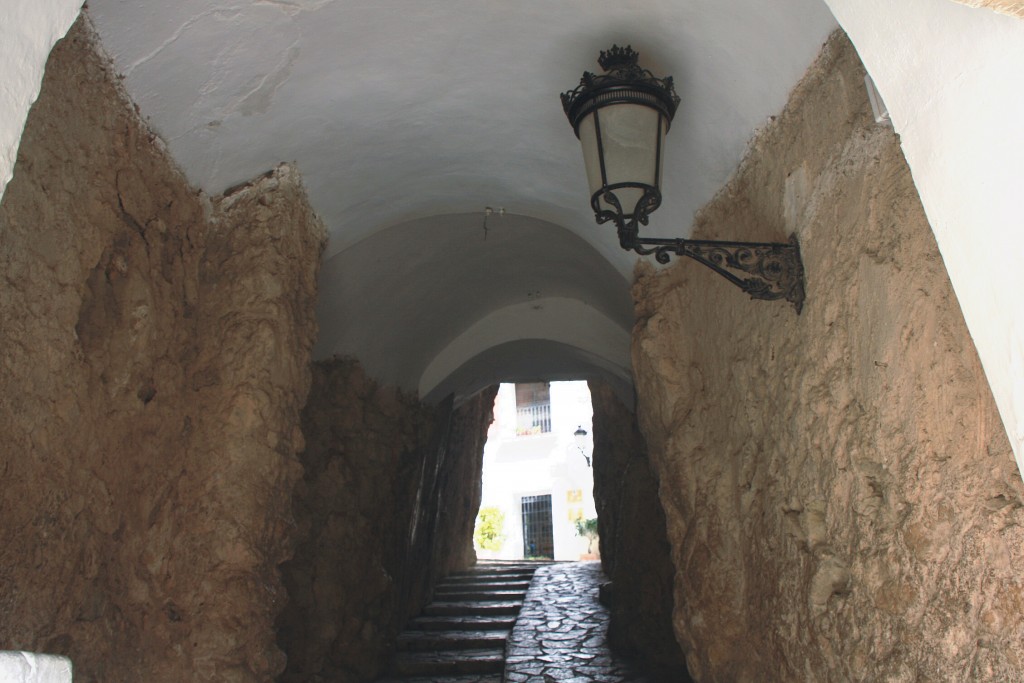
533 408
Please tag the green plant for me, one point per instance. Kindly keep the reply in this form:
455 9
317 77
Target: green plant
489 533
588 529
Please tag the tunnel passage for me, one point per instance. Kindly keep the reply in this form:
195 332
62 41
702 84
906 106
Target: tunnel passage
844 472
386 505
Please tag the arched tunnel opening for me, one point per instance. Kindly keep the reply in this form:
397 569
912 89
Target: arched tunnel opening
391 492
537 498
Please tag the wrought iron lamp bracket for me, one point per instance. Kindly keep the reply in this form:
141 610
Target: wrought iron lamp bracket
764 270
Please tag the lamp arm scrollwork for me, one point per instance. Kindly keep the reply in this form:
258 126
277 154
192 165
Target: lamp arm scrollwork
764 270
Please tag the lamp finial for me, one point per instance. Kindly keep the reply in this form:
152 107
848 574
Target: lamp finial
618 58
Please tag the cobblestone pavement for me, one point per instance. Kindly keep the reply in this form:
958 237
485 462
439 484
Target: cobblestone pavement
560 635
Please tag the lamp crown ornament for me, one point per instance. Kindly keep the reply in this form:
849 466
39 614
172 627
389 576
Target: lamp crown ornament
617 57
621 118
624 80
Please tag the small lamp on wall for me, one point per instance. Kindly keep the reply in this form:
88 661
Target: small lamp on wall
580 436
621 118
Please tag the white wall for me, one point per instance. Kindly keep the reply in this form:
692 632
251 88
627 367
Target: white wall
32 667
28 31
953 80
541 464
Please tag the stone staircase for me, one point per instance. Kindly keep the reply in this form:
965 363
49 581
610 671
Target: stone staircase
460 636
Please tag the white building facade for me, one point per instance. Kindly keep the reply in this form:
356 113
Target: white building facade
537 472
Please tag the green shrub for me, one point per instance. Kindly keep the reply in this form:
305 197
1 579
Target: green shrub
489 533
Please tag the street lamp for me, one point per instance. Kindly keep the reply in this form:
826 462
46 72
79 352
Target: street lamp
580 436
621 118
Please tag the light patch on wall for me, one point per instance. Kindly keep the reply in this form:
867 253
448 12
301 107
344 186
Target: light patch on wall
28 31
878 107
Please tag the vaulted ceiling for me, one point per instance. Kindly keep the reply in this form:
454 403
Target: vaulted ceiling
408 119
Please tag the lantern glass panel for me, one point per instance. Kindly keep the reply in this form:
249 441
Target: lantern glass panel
630 140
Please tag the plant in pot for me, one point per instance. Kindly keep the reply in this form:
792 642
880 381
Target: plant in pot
587 528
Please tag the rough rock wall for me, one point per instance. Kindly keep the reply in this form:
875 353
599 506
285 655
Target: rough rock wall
1014 8
459 491
841 499
635 552
257 326
155 355
386 506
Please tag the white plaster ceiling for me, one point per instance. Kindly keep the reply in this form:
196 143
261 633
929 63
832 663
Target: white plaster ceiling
407 118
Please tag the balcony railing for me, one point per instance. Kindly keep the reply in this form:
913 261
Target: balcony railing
535 419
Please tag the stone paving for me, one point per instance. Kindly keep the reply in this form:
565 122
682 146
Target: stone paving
561 633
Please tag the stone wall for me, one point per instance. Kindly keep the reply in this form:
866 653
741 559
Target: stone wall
386 506
459 490
1014 8
635 553
841 498
155 360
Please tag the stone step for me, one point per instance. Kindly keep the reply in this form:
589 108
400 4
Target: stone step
502 564
461 637
449 662
472 582
446 587
488 570
483 581
471 678
473 623
495 571
480 596
477 580
482 609
419 641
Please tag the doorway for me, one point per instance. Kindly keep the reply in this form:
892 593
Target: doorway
538 534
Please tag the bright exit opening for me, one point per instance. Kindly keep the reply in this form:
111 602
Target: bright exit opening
538 486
